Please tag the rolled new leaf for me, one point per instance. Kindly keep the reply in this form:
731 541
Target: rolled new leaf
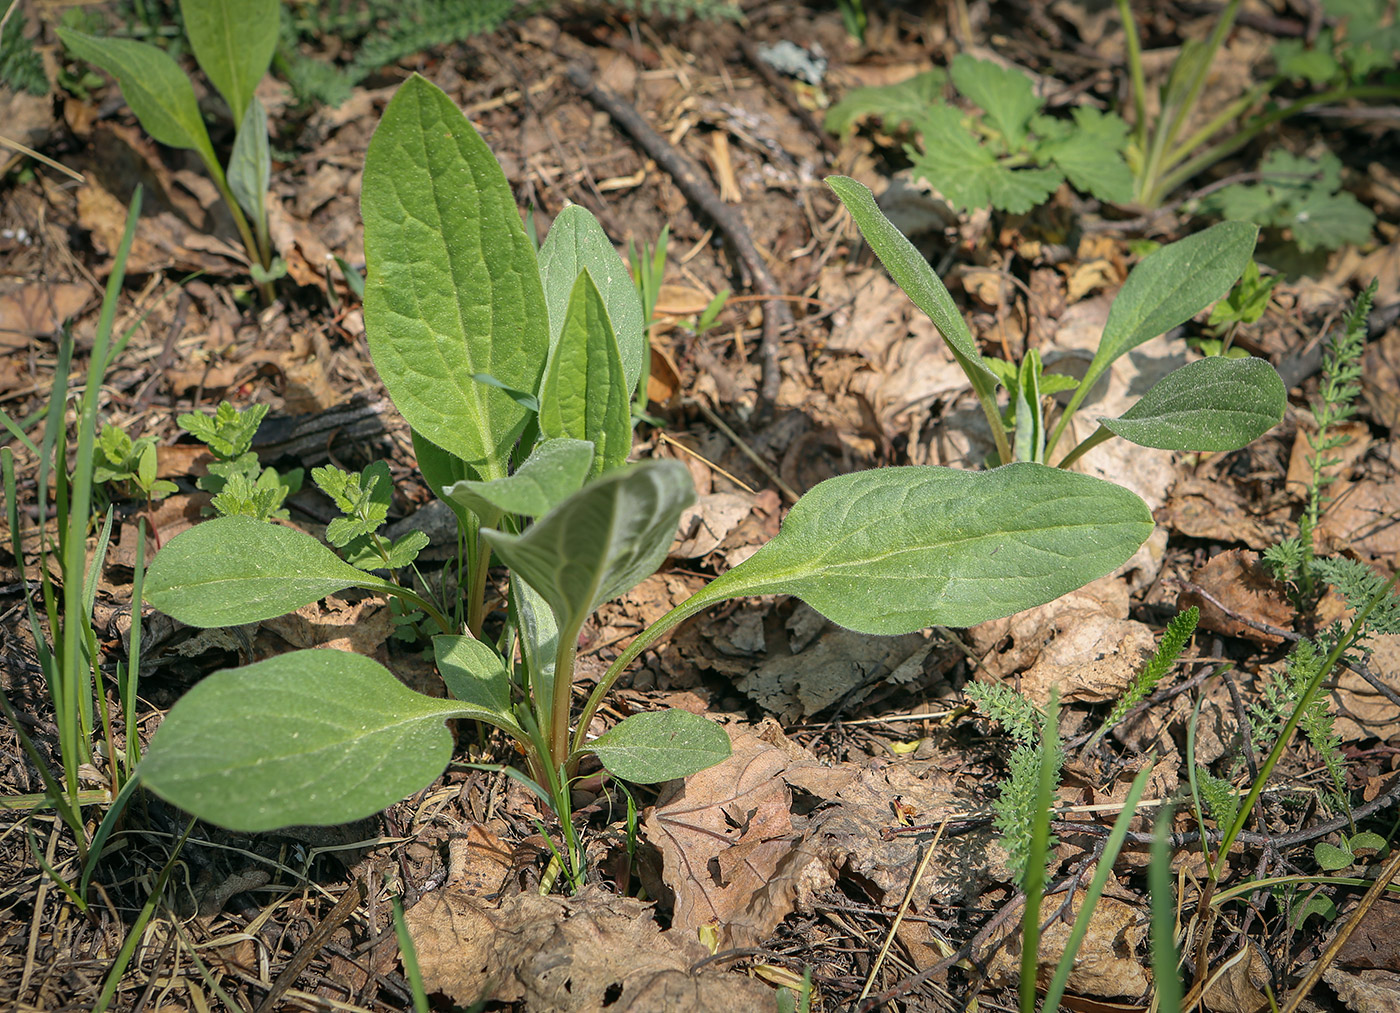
235 570
900 549
310 737
660 746
1213 404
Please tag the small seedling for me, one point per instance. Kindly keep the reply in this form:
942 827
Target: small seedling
239 484
233 40
120 460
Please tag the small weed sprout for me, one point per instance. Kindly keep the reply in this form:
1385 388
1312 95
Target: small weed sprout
1174 640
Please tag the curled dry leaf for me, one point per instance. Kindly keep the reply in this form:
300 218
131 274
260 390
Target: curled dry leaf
1106 963
1238 580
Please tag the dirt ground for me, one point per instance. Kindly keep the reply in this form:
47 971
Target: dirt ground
855 758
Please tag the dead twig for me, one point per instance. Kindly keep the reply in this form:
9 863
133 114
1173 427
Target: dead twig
777 317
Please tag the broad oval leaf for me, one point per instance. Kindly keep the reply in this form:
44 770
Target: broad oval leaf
477 676
554 471
250 164
576 242
153 85
899 549
234 570
311 737
233 40
584 395
1213 404
601 541
912 273
1172 285
452 288
661 746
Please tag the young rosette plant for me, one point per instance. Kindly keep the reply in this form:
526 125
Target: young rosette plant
516 373
233 41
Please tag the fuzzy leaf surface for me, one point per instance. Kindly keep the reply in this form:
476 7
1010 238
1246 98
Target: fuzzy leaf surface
575 243
601 541
912 273
584 395
153 85
1089 155
554 471
660 746
234 570
310 737
233 40
250 163
452 288
1005 94
1213 404
477 676
895 550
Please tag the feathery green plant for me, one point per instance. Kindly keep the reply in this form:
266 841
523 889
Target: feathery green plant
1174 640
20 65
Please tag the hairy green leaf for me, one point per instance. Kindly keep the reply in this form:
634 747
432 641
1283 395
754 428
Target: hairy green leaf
311 737
234 570
1213 404
1090 155
452 288
1005 94
575 243
554 470
894 104
250 163
233 40
153 85
660 746
585 395
601 541
968 173
477 676
900 549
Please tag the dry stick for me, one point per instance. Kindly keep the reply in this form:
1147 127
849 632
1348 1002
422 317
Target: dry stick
320 935
777 317
903 910
1335 946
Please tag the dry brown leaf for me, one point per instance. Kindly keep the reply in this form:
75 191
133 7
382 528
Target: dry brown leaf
1380 379
1240 582
1357 437
361 628
1238 990
1106 963
1365 522
1365 991
1363 712
1375 942
704 525
29 311
478 861
1214 509
583 954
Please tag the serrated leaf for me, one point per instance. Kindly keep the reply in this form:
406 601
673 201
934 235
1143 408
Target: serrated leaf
1170 286
901 549
404 550
1005 94
311 737
1330 221
912 273
1295 59
894 104
234 570
1091 155
576 242
250 163
233 40
477 676
584 395
601 541
452 286
661 746
1213 404
554 471
153 85
954 162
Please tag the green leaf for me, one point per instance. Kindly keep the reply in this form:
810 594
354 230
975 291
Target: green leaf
441 469
968 174
1170 286
477 675
234 570
894 104
153 85
912 273
576 242
1006 95
661 746
1330 221
311 737
250 163
539 642
233 40
452 288
1331 858
1030 431
1091 155
584 395
900 549
554 471
1213 404
1295 59
601 541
